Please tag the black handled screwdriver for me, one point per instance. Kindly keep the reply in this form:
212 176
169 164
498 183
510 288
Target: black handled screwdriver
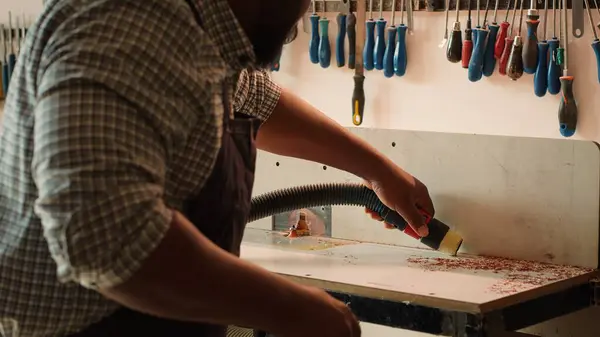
351 31
540 78
530 48
454 51
514 69
567 110
553 44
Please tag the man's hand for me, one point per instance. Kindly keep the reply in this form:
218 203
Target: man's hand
321 315
404 194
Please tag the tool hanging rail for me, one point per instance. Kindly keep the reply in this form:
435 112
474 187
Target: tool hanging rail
440 6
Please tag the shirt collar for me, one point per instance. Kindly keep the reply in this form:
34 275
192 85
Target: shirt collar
225 30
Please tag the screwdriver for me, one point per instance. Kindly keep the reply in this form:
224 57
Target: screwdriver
478 27
514 69
369 49
467 47
445 39
560 51
390 48
454 51
313 46
380 41
351 23
12 59
501 39
324 46
400 60
553 68
595 42
475 71
502 68
341 36
540 78
489 60
275 64
5 77
530 49
567 111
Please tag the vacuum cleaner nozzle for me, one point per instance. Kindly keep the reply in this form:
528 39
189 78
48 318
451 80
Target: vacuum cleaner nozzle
440 237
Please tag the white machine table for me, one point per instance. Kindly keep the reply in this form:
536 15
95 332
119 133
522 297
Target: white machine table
423 290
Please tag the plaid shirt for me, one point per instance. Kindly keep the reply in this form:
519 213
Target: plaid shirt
112 118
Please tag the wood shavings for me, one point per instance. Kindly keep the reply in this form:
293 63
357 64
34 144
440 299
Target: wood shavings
513 275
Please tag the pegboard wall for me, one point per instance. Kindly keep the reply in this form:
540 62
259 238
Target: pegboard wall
440 5
536 199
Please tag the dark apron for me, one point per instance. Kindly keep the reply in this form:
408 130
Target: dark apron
219 211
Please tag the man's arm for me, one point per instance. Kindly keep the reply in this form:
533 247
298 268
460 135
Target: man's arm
297 129
294 128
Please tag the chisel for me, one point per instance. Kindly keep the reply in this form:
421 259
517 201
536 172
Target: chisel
358 94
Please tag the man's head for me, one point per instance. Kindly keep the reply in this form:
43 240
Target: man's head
267 23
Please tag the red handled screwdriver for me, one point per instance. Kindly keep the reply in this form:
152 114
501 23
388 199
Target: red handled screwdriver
467 48
508 44
501 40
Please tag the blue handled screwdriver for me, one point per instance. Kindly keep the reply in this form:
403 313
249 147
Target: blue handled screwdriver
5 73
313 46
369 49
475 70
553 67
324 46
489 60
540 78
380 40
400 57
595 42
342 16
390 48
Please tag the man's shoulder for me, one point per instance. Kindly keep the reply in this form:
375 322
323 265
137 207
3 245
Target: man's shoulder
131 25
152 44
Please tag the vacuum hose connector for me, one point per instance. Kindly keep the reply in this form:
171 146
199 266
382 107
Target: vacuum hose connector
440 237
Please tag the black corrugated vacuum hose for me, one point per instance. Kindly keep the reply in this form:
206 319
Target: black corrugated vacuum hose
440 236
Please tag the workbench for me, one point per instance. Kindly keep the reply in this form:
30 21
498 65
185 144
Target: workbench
423 290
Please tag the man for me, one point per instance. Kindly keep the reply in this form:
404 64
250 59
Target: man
126 176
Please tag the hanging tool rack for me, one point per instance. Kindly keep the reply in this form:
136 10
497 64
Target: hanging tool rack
12 36
333 6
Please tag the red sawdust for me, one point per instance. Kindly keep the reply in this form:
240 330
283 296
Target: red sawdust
513 275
